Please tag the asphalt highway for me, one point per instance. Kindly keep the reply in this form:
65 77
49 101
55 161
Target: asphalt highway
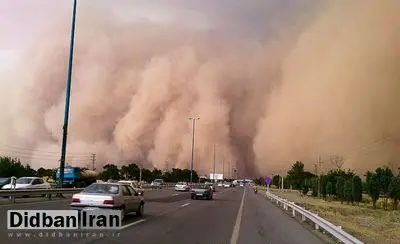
234 216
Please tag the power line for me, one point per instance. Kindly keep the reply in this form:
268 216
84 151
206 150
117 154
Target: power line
17 148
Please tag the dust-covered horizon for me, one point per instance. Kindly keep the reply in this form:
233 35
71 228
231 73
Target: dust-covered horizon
322 81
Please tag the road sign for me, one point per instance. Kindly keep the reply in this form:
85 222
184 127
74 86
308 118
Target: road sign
268 180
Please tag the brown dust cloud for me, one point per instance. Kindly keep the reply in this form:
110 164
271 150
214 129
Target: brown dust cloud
322 81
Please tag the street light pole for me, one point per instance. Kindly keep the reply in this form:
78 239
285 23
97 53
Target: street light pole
67 98
223 168
193 130
214 166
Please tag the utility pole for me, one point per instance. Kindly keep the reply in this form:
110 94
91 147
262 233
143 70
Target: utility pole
140 175
67 98
223 168
229 170
93 157
193 130
318 170
214 166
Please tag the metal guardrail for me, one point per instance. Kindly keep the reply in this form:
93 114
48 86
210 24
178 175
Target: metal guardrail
37 192
335 231
48 193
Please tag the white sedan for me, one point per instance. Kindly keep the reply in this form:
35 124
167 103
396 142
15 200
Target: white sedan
109 196
26 183
182 186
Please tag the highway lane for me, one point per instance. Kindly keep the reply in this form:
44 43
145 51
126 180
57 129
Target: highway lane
164 200
232 217
22 200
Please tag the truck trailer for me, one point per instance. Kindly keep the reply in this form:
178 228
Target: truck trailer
77 177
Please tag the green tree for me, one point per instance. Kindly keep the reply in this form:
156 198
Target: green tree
110 172
314 186
394 191
295 175
276 180
373 185
305 189
147 175
156 174
384 176
13 167
323 182
329 189
348 191
340 188
259 181
130 171
357 189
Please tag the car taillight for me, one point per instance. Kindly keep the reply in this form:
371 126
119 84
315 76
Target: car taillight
74 199
108 202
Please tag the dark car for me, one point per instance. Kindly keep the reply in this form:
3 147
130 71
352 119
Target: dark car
202 191
212 186
5 181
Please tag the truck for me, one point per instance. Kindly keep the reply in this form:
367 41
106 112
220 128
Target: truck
77 176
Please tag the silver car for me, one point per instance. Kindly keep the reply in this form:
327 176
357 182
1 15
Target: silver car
134 185
182 186
109 196
202 191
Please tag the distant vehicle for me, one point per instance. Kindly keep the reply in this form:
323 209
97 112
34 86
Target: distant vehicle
227 184
238 182
28 183
182 186
110 196
134 185
157 183
5 181
220 184
212 185
77 177
202 191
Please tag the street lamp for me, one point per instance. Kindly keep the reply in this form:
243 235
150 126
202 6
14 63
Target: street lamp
67 98
214 165
193 119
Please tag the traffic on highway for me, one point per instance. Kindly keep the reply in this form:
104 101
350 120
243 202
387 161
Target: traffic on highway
228 213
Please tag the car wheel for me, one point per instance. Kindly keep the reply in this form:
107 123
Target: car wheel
140 211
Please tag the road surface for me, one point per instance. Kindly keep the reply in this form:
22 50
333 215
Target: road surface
234 216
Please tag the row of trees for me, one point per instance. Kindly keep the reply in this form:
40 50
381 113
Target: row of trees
344 185
14 167
133 172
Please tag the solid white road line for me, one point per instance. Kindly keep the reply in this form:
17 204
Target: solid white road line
184 205
134 223
236 229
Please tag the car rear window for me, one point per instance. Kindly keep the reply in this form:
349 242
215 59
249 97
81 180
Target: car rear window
102 189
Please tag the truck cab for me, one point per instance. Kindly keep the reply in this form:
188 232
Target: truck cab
76 177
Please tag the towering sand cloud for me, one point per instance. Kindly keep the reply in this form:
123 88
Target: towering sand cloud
320 80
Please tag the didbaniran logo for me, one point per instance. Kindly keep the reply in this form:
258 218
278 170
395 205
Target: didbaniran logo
97 219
